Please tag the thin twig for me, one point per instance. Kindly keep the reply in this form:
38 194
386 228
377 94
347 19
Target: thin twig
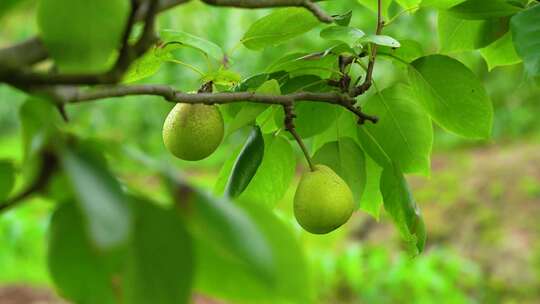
62 110
148 36
49 165
25 53
288 107
318 12
344 81
124 50
369 74
362 117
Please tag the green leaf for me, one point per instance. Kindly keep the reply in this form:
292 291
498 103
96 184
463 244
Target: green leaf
267 120
343 19
520 3
6 5
246 164
381 40
251 83
223 77
146 66
371 145
481 9
177 39
500 53
457 35
247 85
74 264
492 30
452 95
526 35
404 130
225 228
407 52
440 4
308 118
278 27
7 178
40 124
401 206
99 197
348 35
292 283
249 111
165 278
298 64
59 188
308 114
371 199
294 286
225 172
274 174
82 36
408 3
372 5
309 83
344 124
346 158
336 49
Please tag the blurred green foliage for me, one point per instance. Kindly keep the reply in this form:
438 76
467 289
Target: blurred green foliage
348 270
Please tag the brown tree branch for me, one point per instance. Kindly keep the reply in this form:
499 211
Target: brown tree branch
318 12
173 95
26 53
128 54
148 36
69 95
368 81
125 49
32 51
49 164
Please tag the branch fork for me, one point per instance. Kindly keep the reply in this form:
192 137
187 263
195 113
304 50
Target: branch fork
65 89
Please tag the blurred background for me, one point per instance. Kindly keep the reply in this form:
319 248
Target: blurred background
481 203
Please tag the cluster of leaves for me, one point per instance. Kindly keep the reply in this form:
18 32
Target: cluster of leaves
105 235
132 249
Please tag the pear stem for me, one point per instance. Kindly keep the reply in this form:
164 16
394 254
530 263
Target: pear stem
289 126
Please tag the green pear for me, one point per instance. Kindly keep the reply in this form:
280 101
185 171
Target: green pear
323 201
82 36
193 132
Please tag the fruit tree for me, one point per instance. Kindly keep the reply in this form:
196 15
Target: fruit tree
356 131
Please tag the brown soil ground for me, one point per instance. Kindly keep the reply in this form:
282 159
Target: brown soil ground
18 294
